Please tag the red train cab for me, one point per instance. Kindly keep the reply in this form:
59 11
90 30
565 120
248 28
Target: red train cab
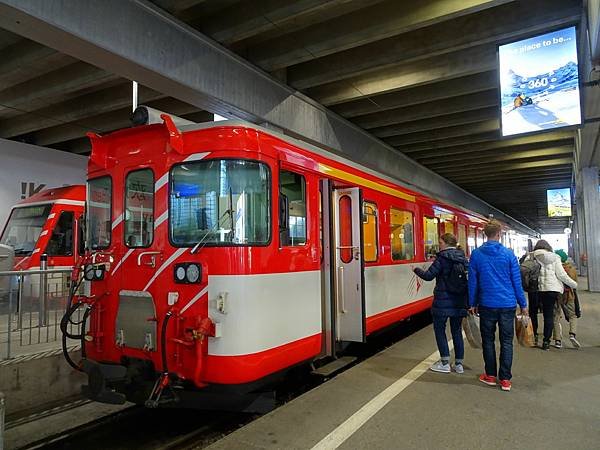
222 253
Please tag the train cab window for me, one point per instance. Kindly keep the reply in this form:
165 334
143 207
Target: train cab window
99 212
370 231
462 236
139 208
431 236
24 227
401 235
292 190
81 236
61 241
219 202
471 240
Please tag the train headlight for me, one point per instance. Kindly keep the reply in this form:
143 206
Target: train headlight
192 273
188 273
180 274
88 272
99 273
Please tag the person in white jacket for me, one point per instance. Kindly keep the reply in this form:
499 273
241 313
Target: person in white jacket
550 282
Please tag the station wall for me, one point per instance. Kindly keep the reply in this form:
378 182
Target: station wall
25 169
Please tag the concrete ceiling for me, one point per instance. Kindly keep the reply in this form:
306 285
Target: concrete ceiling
422 77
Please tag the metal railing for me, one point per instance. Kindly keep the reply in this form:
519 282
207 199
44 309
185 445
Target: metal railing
31 310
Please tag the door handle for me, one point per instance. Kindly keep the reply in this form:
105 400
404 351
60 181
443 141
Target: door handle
341 289
152 255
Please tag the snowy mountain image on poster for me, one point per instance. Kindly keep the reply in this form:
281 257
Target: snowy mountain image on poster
539 83
559 202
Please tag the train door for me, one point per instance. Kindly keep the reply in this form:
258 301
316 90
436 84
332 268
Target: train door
348 265
138 265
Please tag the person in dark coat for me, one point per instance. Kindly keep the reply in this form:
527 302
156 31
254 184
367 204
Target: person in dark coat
447 305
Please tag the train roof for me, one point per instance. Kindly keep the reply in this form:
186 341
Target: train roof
70 195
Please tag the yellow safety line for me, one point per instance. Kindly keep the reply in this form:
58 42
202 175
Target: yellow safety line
336 173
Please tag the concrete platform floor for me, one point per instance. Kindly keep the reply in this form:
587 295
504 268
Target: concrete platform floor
554 403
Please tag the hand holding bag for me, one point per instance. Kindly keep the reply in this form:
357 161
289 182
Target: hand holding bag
524 329
471 329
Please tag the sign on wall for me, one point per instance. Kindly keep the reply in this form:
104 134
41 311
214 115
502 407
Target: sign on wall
559 202
539 83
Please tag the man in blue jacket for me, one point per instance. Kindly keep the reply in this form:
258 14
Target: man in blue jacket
494 291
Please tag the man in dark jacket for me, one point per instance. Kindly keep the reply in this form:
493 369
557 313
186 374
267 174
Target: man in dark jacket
494 291
448 303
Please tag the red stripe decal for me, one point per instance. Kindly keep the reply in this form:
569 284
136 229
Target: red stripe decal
383 319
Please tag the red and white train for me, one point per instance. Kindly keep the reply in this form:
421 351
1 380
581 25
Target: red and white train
222 253
49 222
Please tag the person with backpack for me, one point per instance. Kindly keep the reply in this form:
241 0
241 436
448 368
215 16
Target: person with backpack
550 282
449 301
567 305
530 273
494 291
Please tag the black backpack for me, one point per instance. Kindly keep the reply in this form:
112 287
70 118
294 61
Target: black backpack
530 274
457 279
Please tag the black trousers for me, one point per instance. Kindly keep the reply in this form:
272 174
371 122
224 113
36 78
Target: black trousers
546 300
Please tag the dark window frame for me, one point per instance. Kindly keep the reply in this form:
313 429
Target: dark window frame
110 208
153 207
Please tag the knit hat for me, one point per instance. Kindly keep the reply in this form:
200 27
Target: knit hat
562 254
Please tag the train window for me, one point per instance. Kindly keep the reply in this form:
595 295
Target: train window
401 235
345 211
448 227
462 236
430 235
24 227
292 187
219 202
99 212
480 239
61 241
471 241
370 231
81 235
139 208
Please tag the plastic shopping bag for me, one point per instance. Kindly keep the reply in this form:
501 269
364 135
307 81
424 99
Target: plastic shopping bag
471 329
524 329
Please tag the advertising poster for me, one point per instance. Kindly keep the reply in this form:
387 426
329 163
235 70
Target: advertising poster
559 202
539 83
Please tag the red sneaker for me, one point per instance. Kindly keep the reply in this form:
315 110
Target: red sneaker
505 385
487 379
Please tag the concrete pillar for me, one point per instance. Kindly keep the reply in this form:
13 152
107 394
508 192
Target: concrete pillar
591 216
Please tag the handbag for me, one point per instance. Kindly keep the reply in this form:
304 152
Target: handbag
524 329
471 329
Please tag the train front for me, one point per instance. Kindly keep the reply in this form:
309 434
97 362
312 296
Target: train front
165 210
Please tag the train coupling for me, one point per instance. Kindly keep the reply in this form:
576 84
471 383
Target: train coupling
98 376
156 397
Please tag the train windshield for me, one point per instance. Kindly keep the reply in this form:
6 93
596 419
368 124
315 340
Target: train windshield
24 228
99 213
219 202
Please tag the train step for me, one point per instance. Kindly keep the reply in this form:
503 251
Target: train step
334 366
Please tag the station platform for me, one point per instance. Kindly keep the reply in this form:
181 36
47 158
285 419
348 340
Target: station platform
392 400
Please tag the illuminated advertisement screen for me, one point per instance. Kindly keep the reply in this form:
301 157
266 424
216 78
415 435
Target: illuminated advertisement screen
539 83
559 202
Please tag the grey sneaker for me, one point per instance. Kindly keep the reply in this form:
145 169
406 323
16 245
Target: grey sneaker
574 341
440 367
558 343
458 368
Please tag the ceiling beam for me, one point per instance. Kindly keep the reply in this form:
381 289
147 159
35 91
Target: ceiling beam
528 181
75 109
472 161
503 167
427 110
433 123
359 28
488 126
187 65
25 60
53 87
396 78
502 23
510 174
594 29
458 87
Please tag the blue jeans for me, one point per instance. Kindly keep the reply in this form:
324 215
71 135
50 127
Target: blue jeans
439 328
505 318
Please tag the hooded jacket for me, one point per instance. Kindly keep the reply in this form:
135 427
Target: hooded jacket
495 277
444 302
552 274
